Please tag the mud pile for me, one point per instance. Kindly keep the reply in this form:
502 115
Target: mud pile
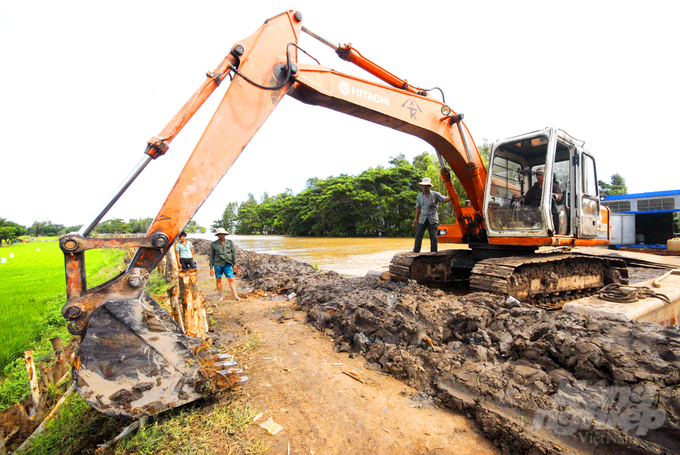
535 381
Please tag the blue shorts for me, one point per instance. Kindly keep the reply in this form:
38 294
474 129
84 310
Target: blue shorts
226 269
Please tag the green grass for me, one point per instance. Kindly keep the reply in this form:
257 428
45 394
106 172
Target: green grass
31 305
191 429
194 429
77 429
33 283
31 298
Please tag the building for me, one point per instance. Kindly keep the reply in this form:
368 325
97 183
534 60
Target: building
644 218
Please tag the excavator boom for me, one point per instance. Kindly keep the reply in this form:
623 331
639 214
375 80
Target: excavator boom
133 359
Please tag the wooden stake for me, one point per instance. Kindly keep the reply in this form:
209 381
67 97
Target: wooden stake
176 309
4 439
49 417
171 266
61 363
32 378
192 305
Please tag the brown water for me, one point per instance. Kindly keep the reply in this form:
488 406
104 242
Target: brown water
347 256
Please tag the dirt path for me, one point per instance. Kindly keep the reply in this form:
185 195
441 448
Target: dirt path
327 402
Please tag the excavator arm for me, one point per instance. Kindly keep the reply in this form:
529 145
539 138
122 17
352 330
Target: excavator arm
264 68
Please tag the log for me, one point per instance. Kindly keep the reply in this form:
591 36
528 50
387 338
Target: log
61 358
27 443
161 266
23 421
192 305
4 439
46 376
141 423
171 266
32 378
175 307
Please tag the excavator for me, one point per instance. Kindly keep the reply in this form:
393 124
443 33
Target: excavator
133 360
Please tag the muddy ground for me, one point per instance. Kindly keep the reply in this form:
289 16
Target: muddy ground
326 401
532 381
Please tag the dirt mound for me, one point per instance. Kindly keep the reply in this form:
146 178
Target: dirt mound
536 382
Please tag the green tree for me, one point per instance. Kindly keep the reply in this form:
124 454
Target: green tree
10 231
616 187
485 152
192 227
399 161
228 219
69 229
113 226
247 217
45 229
139 225
378 202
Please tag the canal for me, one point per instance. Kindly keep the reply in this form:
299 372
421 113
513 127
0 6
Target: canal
348 256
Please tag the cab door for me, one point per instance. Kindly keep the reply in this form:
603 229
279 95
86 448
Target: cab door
588 200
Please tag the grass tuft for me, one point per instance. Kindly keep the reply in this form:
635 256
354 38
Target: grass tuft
195 429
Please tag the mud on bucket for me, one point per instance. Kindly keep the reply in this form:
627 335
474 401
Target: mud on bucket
134 360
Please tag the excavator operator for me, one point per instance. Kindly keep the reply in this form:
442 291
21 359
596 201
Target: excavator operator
533 196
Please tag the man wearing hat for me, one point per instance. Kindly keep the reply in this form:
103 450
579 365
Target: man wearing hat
427 214
222 260
533 196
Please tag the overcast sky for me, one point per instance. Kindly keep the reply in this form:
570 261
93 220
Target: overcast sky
84 85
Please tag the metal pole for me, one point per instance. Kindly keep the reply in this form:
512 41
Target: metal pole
461 130
323 40
125 184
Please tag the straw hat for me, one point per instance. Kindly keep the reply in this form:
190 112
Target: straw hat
426 181
220 231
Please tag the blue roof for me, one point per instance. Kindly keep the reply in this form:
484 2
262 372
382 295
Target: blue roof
642 195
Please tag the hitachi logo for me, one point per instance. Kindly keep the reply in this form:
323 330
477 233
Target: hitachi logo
370 96
345 89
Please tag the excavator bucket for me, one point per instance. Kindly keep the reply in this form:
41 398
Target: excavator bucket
134 360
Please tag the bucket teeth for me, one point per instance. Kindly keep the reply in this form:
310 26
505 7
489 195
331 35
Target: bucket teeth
226 364
231 371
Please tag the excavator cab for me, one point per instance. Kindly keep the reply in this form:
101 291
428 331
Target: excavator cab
542 185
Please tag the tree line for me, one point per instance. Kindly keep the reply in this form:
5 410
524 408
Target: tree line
378 202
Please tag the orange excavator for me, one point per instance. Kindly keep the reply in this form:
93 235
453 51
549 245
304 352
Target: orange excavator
133 360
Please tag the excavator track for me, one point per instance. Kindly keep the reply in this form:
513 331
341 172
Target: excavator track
546 280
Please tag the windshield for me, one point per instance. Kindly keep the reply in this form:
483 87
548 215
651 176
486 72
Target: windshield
517 175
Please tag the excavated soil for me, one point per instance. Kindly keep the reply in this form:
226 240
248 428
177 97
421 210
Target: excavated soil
534 381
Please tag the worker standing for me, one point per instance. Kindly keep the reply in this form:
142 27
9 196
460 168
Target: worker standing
184 251
222 260
427 214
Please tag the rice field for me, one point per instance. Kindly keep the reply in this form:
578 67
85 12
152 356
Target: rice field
33 284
